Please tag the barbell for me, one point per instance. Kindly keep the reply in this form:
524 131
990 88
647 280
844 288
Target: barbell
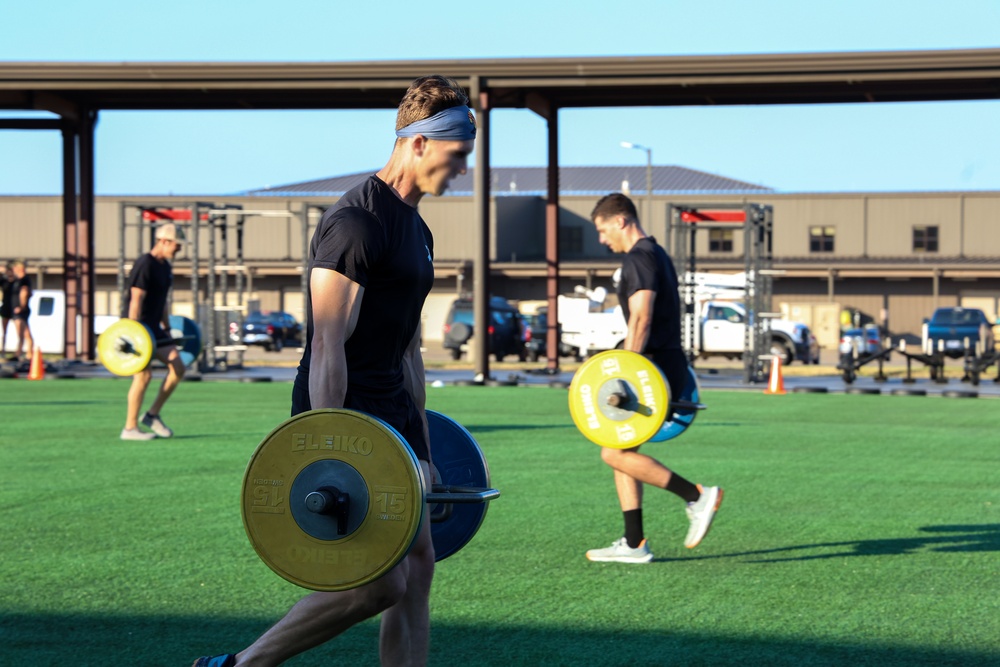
127 346
620 399
333 499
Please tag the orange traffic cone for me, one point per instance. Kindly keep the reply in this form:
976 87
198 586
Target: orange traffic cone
776 385
37 370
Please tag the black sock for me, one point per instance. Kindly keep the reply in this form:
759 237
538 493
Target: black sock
633 527
683 488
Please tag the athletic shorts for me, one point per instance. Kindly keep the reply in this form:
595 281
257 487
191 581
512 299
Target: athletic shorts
674 366
397 410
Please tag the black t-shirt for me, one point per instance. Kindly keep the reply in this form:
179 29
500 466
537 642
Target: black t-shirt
648 267
376 240
6 304
155 277
13 291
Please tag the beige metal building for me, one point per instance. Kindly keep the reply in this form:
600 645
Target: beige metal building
892 256
76 93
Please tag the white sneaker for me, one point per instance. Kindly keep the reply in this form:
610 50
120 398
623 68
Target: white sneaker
156 425
701 513
136 434
621 552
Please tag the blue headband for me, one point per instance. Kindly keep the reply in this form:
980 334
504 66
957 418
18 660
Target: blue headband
452 124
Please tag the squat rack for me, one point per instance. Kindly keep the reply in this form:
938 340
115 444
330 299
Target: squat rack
756 222
217 219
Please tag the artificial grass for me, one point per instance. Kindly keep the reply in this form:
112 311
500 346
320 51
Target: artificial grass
855 530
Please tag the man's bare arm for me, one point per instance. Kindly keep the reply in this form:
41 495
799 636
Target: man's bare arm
640 320
336 302
138 295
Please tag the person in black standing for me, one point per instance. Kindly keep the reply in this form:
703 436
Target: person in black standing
648 294
20 297
370 269
145 300
7 305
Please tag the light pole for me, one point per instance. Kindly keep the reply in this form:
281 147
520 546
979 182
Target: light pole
649 179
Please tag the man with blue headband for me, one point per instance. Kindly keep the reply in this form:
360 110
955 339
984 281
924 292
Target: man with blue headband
370 269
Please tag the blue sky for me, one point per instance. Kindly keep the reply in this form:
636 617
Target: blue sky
872 147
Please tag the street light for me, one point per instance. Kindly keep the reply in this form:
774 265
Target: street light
649 178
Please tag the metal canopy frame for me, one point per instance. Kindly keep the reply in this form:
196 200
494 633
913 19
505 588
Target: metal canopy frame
756 221
76 91
218 220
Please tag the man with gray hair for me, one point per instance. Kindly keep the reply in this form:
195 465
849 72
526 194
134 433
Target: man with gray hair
145 300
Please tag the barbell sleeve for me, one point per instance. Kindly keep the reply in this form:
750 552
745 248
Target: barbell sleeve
441 493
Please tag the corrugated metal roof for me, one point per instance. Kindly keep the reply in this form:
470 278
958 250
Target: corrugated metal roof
531 181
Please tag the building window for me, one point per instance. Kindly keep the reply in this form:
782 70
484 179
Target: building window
570 240
821 239
720 240
925 238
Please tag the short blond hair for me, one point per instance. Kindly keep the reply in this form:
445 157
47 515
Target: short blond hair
427 96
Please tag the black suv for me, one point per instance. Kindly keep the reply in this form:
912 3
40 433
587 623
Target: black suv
505 329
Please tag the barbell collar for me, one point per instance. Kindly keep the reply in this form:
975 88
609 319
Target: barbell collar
622 397
330 501
125 346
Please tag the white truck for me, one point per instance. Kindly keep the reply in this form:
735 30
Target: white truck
587 326
721 331
48 322
720 328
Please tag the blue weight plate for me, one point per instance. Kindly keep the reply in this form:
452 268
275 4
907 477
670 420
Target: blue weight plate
682 418
190 347
458 461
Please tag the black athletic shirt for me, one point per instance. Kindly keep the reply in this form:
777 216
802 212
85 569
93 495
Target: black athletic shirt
15 287
376 240
647 266
155 277
6 300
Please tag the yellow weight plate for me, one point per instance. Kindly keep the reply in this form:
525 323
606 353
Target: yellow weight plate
126 347
618 399
354 453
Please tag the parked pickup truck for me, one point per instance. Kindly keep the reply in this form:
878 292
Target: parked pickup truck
955 331
585 333
721 331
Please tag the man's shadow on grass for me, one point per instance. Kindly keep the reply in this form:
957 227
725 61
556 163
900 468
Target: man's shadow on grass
940 539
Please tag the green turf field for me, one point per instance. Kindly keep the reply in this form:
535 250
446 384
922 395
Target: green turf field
856 530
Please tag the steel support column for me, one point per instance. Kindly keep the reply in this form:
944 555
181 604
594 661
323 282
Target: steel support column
71 254
85 236
481 203
550 112
552 240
